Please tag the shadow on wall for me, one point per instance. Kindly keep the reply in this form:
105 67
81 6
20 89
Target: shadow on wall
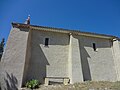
11 82
84 63
37 65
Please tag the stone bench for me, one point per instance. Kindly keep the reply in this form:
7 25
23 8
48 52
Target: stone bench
65 80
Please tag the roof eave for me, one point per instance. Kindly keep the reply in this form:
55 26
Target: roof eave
60 30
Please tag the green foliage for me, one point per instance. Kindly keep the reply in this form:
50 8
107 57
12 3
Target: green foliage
32 84
2 43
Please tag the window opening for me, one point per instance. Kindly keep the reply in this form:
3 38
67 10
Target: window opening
94 46
46 41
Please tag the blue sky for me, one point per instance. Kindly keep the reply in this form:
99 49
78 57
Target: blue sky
99 16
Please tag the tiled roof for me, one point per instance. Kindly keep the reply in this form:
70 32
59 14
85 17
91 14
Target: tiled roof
45 28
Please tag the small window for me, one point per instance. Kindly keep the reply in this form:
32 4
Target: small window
94 47
46 41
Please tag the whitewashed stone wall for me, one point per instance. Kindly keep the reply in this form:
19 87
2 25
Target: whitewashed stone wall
116 54
87 64
26 57
13 59
74 61
97 65
51 61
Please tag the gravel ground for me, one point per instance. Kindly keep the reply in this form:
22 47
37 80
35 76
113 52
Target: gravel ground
83 86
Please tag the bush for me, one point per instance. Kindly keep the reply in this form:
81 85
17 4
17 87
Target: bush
32 84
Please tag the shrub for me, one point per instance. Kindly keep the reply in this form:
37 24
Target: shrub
32 84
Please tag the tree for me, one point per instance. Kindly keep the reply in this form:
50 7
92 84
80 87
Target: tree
2 43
